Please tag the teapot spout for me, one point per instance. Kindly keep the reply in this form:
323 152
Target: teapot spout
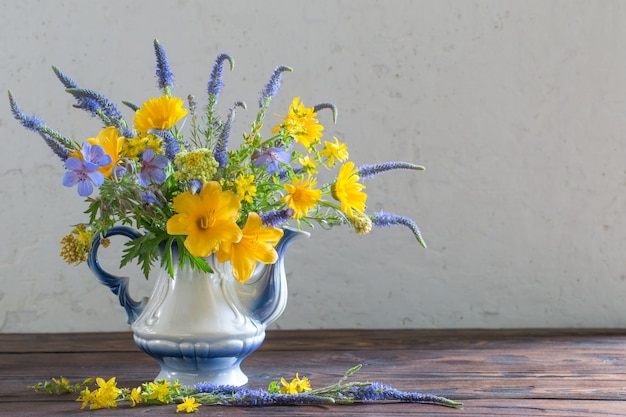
264 295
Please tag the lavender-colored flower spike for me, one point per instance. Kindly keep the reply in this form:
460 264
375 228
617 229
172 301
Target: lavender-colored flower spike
84 103
103 107
215 85
330 106
59 144
368 171
170 143
163 72
273 85
277 217
382 219
221 147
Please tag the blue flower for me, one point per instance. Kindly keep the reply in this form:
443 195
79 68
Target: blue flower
272 158
85 173
273 85
152 166
383 219
163 72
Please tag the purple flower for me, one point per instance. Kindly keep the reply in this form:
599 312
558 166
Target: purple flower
149 197
152 168
277 217
163 72
84 173
368 171
272 158
272 87
215 85
383 219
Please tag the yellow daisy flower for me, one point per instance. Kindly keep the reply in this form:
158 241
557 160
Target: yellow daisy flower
301 123
207 219
347 190
302 196
296 386
159 113
308 164
334 150
189 405
256 245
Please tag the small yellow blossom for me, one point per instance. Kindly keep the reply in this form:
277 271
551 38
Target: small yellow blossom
135 396
335 150
302 196
301 123
246 188
347 190
198 164
75 246
160 391
159 113
296 386
309 165
105 396
132 147
189 405
362 223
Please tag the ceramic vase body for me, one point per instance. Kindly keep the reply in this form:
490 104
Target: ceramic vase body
200 326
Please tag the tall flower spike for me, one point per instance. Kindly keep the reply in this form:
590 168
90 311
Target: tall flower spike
330 106
85 103
272 86
368 171
170 143
382 219
105 109
221 148
215 85
163 72
59 144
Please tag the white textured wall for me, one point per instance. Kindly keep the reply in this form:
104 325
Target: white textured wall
518 110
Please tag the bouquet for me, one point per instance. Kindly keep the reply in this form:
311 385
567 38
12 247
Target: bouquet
172 174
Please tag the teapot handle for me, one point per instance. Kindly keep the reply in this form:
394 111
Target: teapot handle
117 285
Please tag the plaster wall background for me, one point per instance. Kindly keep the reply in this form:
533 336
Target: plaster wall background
517 109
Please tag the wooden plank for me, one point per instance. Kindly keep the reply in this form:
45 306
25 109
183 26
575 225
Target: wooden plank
517 372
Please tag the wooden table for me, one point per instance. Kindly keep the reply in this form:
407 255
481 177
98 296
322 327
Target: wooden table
493 372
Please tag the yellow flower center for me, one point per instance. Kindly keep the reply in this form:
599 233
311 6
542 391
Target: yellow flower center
207 221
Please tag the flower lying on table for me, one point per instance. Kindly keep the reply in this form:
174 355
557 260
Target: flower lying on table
296 392
192 190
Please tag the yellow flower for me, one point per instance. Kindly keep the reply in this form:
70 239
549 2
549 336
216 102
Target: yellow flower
347 190
105 396
301 123
135 396
207 219
199 164
189 405
246 189
308 164
86 396
302 196
296 386
160 391
159 113
256 245
134 146
334 150
75 246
